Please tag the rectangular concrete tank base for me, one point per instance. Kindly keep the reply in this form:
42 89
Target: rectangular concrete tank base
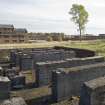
44 69
93 92
67 82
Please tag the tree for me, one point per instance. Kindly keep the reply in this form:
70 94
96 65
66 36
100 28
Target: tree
79 17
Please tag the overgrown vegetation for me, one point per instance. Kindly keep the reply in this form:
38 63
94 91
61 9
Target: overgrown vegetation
97 45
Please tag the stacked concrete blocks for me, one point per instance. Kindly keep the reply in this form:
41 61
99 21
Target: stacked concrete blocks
44 69
73 79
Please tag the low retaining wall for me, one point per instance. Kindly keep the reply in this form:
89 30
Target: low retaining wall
81 53
43 69
67 82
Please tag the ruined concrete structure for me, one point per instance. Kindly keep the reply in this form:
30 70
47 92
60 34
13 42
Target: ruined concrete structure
64 80
44 69
9 34
93 92
62 70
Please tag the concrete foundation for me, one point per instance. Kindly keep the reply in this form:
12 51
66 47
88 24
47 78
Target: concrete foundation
67 82
43 69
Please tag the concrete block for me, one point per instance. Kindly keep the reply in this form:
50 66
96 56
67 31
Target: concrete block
18 81
74 79
93 92
43 69
26 62
5 86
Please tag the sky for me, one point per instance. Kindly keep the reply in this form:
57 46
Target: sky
51 15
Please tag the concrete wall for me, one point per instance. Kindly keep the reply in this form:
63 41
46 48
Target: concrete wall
81 53
43 69
52 56
68 82
18 82
24 60
93 92
4 88
26 63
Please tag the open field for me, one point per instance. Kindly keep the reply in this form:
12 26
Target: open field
96 45
31 45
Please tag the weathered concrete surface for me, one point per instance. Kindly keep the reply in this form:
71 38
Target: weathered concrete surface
18 81
13 101
4 88
93 92
68 82
26 62
43 69
24 59
53 56
81 53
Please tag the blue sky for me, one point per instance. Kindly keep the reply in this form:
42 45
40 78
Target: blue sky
51 15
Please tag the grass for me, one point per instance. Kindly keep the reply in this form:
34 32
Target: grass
34 93
30 45
98 46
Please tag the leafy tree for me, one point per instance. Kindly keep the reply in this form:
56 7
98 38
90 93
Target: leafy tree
79 17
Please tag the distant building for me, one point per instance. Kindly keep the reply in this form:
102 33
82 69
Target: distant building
37 36
101 34
4 29
21 30
9 34
45 36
